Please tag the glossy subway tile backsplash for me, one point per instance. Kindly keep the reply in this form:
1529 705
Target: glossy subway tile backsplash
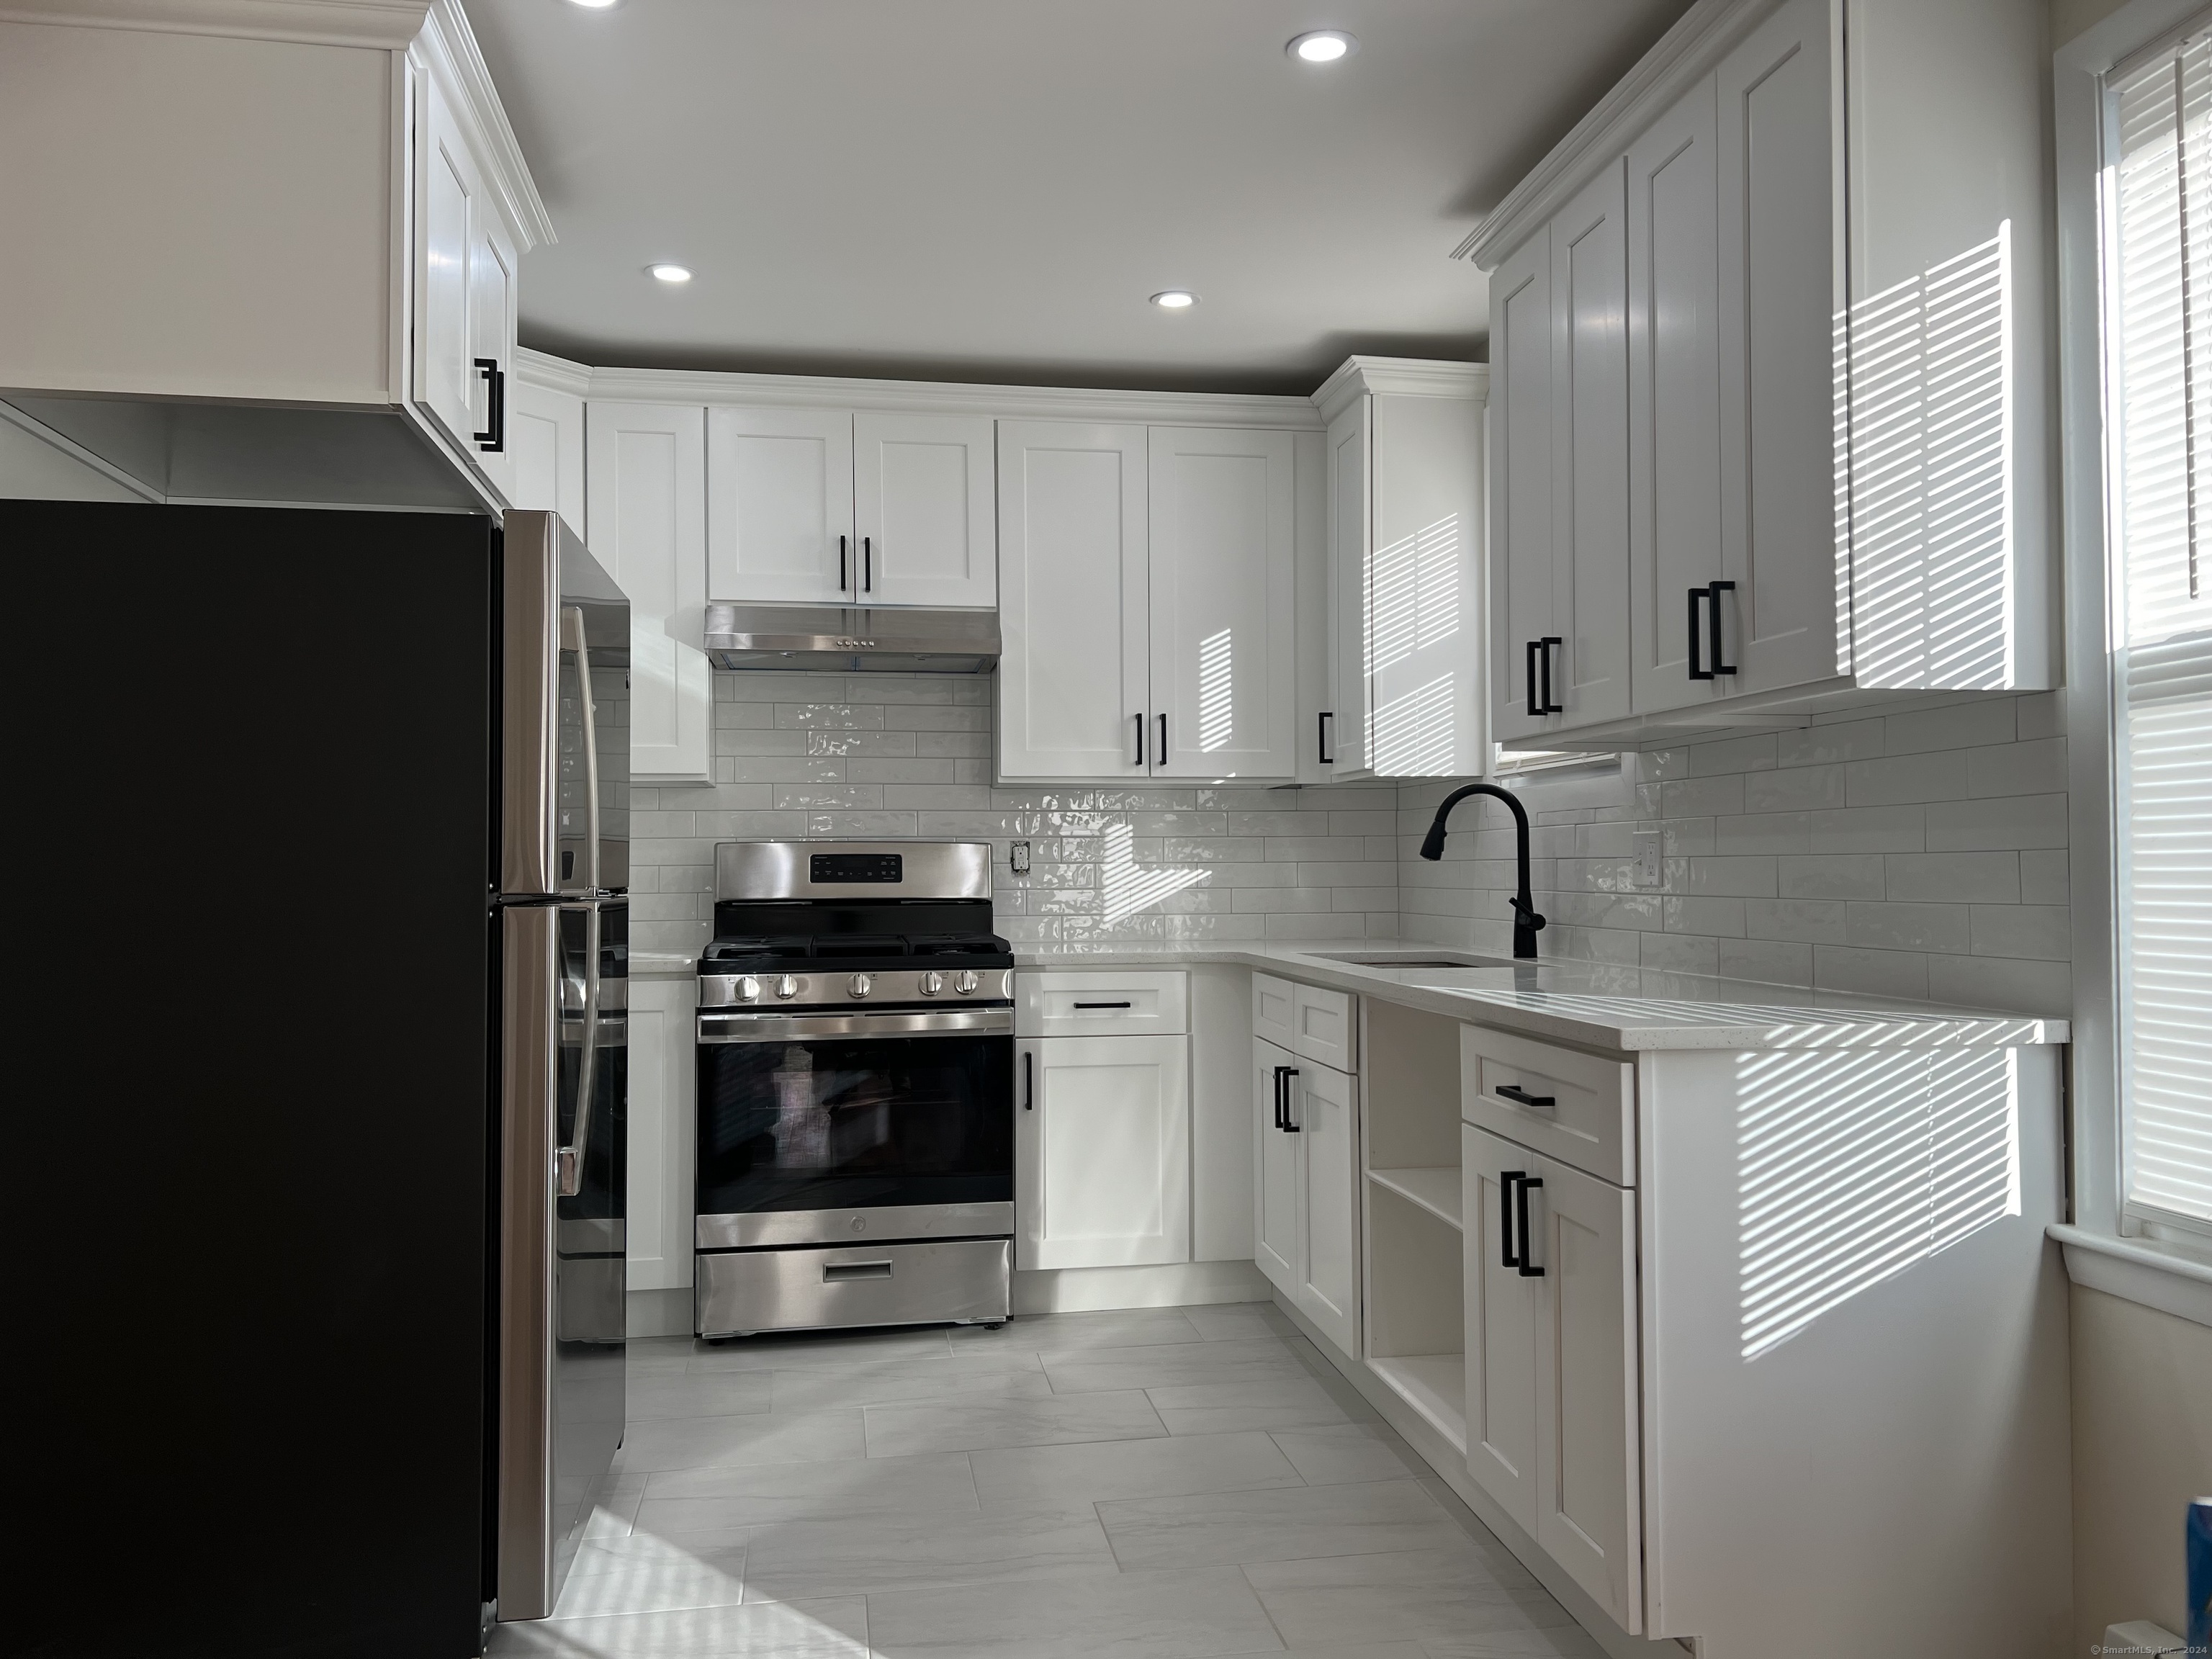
899 756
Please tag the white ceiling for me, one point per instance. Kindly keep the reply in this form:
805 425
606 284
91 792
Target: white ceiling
990 190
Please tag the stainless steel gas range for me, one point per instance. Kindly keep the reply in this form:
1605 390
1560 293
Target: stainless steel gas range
856 1098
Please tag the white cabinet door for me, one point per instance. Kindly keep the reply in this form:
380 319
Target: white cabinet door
1588 1479
1520 487
1423 588
1102 1152
1072 601
1223 680
647 504
923 506
492 316
1278 1232
1590 451
1324 1107
447 210
663 1085
545 436
779 506
1350 440
1501 1325
1674 413
1779 542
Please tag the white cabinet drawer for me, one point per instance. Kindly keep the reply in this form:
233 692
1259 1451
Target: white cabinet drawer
1324 1027
1101 1002
1578 1108
1272 1009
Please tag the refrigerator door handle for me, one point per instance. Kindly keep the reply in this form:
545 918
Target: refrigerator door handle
572 639
568 1161
529 1124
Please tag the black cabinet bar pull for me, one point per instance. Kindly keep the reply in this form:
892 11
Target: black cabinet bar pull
1160 754
1101 1005
493 438
1527 1263
1279 1097
1713 591
1139 720
1289 1071
1537 700
1546 645
1506 1258
1029 1079
868 564
841 564
1515 1092
1320 739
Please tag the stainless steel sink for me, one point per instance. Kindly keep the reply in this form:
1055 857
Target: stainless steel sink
1412 960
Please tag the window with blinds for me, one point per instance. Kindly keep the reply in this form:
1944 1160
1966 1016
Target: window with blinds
2159 356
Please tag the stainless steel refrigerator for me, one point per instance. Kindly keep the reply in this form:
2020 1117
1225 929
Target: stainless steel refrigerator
563 875
318 1134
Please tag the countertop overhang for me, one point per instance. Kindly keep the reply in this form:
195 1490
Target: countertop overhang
1598 1005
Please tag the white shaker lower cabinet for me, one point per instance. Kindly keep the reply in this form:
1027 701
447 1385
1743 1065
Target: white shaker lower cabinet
1306 1187
663 1085
1102 1152
1551 1328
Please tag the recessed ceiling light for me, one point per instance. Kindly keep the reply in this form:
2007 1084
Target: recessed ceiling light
1175 299
596 5
1323 46
669 273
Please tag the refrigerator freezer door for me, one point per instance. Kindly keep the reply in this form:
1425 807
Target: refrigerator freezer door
561 1279
561 734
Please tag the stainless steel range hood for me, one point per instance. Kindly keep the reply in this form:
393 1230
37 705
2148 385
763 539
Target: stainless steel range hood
882 639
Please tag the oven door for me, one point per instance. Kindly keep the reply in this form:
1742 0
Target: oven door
830 1128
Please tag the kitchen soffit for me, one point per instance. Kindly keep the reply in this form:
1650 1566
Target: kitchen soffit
991 190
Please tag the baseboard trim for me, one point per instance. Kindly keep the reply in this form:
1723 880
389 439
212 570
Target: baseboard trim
1177 1285
1450 1467
657 1313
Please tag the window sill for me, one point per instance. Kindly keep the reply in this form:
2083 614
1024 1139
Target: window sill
2147 1271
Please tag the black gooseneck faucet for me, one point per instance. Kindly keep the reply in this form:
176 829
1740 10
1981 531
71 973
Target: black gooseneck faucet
1526 922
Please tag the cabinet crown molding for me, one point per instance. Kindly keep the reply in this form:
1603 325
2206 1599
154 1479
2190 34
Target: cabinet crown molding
1400 377
447 43
1698 40
386 24
1034 403
550 373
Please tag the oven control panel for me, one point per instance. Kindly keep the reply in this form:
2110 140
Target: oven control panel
970 985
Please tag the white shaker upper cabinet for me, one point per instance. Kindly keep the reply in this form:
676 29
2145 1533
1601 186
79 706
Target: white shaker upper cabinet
1674 409
1072 601
1590 450
922 500
1351 518
545 434
1521 622
493 309
779 500
1224 696
647 525
449 206
1778 534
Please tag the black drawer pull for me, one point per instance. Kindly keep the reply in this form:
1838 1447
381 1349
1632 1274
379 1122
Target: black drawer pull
1103 1004
1515 1092
846 1272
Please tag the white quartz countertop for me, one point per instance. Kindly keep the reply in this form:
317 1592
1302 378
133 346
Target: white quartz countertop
1597 1005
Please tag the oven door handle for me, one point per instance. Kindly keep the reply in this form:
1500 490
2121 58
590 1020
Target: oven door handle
768 1027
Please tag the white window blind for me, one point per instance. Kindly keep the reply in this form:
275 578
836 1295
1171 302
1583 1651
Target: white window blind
2160 361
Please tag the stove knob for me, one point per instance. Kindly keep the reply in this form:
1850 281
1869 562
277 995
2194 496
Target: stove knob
861 985
748 989
967 982
931 984
787 988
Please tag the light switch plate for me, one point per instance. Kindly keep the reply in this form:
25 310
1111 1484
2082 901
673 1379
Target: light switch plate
1650 853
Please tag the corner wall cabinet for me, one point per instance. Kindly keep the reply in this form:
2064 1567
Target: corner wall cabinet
1405 600
545 437
1145 603
1770 358
1101 1120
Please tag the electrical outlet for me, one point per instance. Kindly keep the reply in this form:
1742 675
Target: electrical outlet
1019 857
1648 869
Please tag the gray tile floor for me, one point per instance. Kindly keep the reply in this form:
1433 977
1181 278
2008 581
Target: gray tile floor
1156 1484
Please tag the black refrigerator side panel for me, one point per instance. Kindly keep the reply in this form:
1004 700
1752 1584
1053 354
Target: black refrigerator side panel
252 803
